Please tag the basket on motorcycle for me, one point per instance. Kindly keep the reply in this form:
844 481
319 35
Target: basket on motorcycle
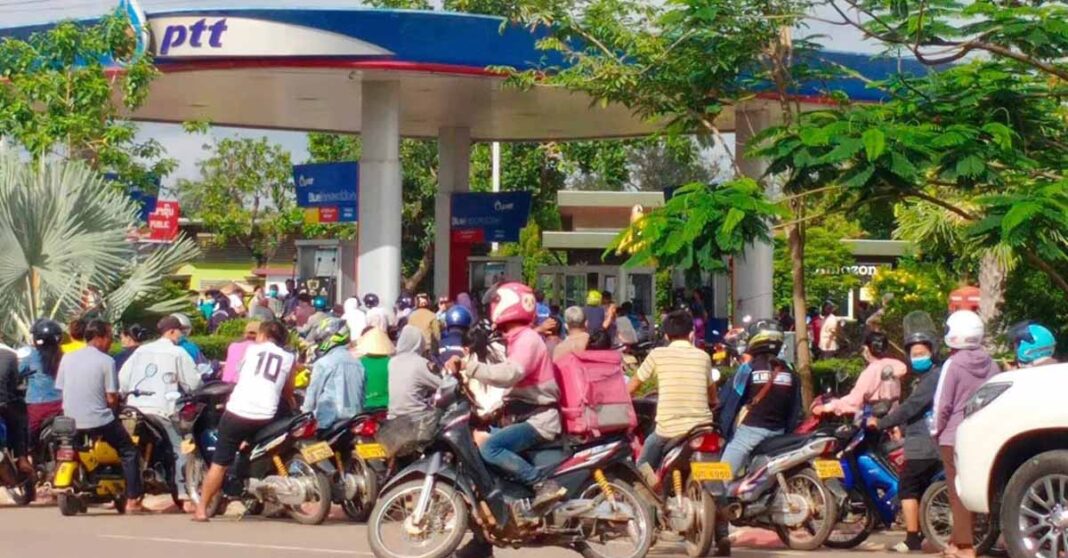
408 434
64 427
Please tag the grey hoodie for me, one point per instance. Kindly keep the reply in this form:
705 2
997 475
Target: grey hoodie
962 375
411 383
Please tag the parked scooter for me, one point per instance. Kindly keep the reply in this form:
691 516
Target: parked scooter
428 507
199 414
20 486
360 462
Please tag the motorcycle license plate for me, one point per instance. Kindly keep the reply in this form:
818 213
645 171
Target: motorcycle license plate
317 452
828 469
370 451
711 471
188 446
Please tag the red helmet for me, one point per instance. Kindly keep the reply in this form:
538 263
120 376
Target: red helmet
512 302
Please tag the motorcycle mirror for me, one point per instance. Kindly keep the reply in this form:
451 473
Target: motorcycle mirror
173 396
747 319
716 375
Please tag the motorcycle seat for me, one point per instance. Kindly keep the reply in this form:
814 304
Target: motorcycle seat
214 389
272 430
781 444
337 428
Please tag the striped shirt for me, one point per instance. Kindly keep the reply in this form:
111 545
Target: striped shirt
683 374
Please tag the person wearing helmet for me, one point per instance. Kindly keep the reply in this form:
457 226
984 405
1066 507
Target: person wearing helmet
321 313
1033 344
43 400
530 405
969 366
597 314
764 398
457 321
354 317
879 385
922 461
185 343
337 382
403 308
382 318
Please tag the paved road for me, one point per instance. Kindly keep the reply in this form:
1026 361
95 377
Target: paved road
41 531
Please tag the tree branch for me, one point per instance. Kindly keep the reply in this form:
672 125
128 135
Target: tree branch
1055 276
943 204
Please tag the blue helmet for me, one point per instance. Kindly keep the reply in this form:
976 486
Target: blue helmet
458 316
1032 342
320 302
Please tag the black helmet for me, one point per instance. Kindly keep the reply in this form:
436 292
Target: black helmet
878 343
46 332
920 337
370 300
765 336
405 301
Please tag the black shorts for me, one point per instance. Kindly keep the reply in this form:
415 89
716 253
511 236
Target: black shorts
917 477
233 431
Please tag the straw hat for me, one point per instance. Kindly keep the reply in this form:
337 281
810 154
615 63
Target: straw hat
374 342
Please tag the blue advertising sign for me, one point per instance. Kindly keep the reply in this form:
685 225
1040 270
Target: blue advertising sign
498 216
335 185
145 201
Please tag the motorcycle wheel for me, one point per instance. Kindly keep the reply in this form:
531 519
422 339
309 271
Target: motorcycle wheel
808 485
310 513
641 529
936 521
857 521
195 469
447 513
700 537
359 508
68 504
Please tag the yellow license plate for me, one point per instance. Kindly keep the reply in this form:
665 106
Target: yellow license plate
370 451
828 469
188 446
317 452
711 471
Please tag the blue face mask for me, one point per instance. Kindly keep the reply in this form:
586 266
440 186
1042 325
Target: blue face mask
922 364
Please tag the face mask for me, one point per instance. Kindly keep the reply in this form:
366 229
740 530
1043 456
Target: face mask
922 364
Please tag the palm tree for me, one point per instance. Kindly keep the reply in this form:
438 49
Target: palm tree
63 229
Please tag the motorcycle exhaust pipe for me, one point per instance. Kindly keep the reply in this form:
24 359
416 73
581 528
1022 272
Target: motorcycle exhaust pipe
734 512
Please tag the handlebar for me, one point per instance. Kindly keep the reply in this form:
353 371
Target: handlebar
138 393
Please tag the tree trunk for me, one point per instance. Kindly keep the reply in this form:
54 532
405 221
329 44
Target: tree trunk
410 283
991 289
796 242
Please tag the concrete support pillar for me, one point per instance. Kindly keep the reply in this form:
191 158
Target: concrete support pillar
721 292
754 269
381 200
454 168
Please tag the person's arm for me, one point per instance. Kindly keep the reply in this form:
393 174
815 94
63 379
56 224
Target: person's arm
503 375
188 376
609 317
853 402
914 406
125 374
111 386
311 395
943 400
290 387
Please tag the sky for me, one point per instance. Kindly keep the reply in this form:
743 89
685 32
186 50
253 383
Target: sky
188 148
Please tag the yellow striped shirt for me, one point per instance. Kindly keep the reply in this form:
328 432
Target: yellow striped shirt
682 373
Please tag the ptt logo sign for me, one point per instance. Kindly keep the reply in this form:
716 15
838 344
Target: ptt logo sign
198 35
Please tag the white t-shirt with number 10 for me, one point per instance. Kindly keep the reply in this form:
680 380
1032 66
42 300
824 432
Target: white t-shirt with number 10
260 381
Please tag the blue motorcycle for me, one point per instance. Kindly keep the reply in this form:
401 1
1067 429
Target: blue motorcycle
872 484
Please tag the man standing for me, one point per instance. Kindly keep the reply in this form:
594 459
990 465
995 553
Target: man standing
577 337
273 301
160 368
91 393
289 303
829 331
265 377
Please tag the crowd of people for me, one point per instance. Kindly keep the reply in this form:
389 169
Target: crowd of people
366 355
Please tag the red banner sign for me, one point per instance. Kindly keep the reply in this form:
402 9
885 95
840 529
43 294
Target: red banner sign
163 222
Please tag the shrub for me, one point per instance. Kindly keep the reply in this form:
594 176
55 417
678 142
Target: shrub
231 329
213 346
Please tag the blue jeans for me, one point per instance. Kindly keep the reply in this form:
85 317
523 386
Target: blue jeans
745 439
653 450
503 447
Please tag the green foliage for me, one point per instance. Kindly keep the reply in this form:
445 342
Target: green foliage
56 98
1035 297
214 346
63 228
170 298
699 226
913 285
231 329
825 256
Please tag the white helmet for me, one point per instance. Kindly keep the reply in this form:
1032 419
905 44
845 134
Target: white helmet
964 330
187 324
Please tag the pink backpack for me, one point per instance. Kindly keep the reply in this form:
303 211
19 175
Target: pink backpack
593 393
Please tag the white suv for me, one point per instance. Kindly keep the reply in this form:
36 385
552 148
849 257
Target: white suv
1012 458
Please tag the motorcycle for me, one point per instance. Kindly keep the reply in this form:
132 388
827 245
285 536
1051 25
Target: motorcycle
89 470
360 462
428 507
198 424
20 486
936 522
284 465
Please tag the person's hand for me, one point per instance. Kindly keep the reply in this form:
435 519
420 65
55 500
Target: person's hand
820 410
873 423
454 364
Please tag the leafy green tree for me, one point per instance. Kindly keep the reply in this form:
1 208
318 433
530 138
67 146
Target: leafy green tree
64 229
245 194
825 256
57 92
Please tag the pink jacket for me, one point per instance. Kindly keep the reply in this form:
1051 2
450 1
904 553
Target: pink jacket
235 353
880 381
528 373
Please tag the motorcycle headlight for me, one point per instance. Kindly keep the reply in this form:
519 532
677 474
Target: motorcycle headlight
985 396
